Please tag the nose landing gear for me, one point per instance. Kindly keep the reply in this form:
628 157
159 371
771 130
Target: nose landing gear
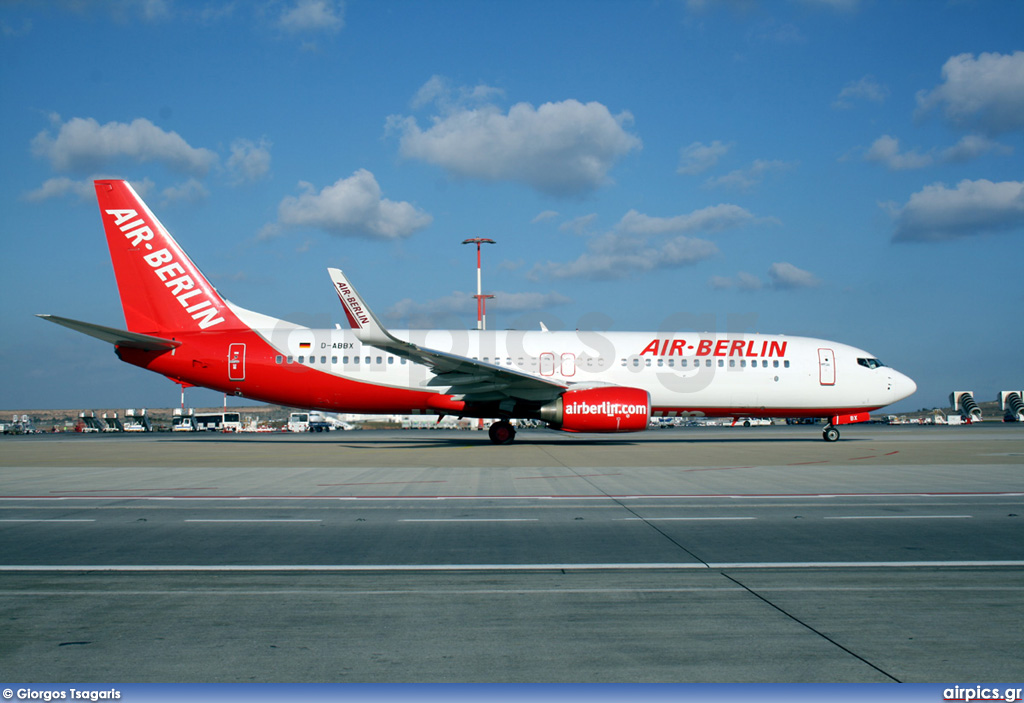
830 433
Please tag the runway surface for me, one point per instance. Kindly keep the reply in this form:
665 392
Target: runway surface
717 554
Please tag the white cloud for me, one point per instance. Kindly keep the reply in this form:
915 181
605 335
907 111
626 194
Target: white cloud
440 92
563 148
971 147
781 276
746 178
153 10
710 219
83 145
191 191
313 16
616 255
546 215
249 161
59 187
867 88
578 225
699 157
742 280
125 11
938 213
83 189
984 93
842 5
639 244
785 276
886 151
353 206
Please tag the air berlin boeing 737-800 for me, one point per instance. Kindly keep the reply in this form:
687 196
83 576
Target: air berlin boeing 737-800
179 326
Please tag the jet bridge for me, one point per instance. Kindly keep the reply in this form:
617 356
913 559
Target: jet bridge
1012 403
963 401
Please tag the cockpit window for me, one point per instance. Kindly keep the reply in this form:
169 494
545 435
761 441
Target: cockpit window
870 363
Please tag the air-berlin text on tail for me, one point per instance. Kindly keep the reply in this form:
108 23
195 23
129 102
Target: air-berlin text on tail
716 347
170 272
353 308
604 408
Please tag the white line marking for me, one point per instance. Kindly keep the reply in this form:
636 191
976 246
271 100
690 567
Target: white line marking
661 566
662 519
248 521
341 592
45 520
899 517
611 497
508 519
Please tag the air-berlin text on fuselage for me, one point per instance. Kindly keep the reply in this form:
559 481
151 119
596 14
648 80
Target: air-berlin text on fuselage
605 408
169 271
716 347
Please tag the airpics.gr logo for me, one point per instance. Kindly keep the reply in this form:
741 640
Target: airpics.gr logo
978 693
606 408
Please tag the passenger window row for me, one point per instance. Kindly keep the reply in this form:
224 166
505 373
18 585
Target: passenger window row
685 363
345 360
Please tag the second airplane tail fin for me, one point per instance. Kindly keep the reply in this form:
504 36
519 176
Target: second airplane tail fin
162 291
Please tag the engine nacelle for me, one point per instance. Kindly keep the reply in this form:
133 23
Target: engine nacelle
601 409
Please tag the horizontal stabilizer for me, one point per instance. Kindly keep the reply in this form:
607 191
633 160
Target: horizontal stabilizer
121 338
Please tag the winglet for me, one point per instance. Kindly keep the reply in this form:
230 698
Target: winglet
367 327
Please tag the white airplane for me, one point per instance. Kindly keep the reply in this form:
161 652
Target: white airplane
179 326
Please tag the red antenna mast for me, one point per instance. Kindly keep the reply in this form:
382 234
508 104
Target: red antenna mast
481 305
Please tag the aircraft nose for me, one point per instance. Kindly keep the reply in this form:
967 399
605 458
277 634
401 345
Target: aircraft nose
902 386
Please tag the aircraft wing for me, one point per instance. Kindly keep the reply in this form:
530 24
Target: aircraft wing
464 378
121 338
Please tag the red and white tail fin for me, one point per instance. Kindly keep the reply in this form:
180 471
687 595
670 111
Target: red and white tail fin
162 291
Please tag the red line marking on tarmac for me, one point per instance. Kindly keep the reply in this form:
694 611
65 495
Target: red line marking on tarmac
719 468
857 458
101 490
378 483
891 453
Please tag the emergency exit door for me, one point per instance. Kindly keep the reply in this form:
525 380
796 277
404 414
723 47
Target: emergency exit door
236 362
826 367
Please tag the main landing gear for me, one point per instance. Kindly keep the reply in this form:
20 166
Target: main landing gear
830 433
501 432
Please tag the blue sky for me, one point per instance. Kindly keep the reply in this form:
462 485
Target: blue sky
845 169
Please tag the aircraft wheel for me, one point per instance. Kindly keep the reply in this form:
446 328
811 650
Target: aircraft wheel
501 432
830 434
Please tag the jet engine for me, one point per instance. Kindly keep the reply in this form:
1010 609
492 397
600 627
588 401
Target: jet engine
601 409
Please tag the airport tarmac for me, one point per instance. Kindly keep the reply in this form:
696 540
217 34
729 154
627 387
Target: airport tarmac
690 554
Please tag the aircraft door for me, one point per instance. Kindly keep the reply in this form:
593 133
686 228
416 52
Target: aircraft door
547 364
826 367
568 364
236 362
